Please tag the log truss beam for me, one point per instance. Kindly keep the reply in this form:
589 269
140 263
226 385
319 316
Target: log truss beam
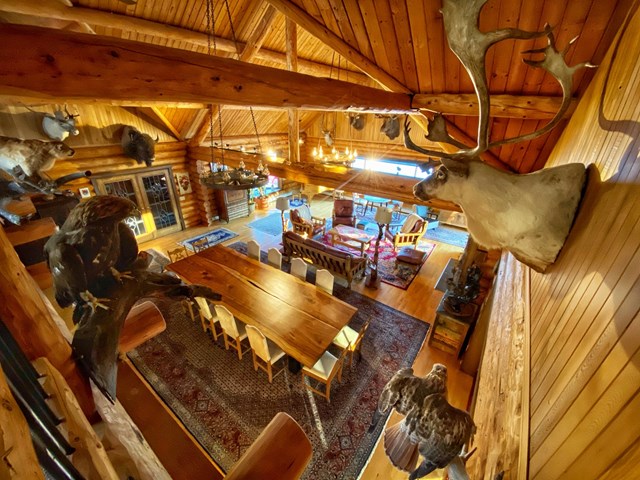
52 9
55 66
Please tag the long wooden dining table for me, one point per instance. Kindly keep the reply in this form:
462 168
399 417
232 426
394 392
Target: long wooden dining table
301 319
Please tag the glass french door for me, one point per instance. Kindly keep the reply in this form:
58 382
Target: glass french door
153 193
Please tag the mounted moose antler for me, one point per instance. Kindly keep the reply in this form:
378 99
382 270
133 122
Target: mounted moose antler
529 215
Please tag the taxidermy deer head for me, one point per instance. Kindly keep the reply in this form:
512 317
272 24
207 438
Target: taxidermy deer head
328 137
59 125
529 215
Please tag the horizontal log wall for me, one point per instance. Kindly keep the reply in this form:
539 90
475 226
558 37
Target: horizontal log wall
585 337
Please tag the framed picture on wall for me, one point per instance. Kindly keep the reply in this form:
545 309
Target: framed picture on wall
183 183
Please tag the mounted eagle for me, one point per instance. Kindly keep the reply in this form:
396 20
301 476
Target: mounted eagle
92 242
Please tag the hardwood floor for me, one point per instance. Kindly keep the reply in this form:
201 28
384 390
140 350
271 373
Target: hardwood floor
419 300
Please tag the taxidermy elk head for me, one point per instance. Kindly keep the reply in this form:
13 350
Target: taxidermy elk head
59 125
529 215
328 137
390 126
139 146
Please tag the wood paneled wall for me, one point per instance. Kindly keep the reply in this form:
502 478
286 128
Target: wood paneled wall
585 312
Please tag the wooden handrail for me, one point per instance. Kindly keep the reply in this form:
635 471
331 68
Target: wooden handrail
282 451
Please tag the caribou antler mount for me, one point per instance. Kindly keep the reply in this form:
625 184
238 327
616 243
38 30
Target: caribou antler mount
529 215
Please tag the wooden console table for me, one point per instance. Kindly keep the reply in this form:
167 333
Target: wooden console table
449 331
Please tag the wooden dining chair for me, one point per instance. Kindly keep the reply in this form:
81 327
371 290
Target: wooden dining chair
234 333
324 281
208 319
178 253
274 258
351 340
324 371
200 245
265 353
253 250
299 268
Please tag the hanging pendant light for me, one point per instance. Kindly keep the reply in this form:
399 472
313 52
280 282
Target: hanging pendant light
225 178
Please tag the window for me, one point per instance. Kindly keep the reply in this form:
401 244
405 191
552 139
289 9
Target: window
389 166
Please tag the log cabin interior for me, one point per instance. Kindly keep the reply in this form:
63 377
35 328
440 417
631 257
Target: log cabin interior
546 363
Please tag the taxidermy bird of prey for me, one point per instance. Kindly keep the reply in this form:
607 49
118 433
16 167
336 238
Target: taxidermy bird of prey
404 391
92 242
441 430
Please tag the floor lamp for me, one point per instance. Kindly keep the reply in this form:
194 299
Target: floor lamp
383 217
282 204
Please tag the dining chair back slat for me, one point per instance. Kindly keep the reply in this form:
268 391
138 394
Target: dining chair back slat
253 250
200 245
258 343
275 258
178 253
207 317
299 268
324 281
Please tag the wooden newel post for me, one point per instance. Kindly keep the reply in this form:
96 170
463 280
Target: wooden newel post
26 316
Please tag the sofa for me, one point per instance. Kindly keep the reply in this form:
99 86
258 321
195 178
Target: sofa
336 261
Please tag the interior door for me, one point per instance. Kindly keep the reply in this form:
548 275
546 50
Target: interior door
153 193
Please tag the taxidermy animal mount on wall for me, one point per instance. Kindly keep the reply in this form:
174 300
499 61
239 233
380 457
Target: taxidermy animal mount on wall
528 215
390 126
139 146
59 125
356 120
33 156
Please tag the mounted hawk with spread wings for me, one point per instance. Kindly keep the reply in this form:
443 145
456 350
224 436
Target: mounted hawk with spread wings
405 390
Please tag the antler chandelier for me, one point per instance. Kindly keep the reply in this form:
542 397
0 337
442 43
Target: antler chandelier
225 178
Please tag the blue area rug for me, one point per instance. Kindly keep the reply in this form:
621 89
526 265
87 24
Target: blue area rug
452 236
215 237
271 224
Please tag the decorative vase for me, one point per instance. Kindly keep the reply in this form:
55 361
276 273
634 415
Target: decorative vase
262 203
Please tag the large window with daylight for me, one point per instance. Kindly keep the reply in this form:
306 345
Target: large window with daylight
393 167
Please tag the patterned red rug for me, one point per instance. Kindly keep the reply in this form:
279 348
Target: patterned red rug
397 274
225 404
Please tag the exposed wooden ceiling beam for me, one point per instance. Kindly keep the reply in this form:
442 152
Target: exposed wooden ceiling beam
507 106
192 128
56 65
251 48
322 33
293 117
54 10
155 112
367 182
41 99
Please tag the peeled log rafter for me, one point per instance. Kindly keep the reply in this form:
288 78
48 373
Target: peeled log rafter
360 181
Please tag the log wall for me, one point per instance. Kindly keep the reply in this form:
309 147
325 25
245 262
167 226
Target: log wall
585 329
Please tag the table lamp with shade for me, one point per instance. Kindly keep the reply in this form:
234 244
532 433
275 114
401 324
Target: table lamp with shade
282 204
382 217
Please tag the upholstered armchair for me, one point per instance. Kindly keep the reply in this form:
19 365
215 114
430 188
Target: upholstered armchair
304 223
343 212
408 233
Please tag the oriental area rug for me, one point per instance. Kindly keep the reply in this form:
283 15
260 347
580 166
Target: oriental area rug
225 404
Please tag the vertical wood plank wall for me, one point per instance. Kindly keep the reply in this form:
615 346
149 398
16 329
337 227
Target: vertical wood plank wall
98 146
585 312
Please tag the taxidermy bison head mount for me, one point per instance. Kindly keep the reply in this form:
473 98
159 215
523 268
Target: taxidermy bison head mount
139 146
529 215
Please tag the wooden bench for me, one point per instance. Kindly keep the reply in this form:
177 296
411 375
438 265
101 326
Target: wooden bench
336 261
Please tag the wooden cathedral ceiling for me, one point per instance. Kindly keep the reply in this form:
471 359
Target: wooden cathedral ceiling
401 44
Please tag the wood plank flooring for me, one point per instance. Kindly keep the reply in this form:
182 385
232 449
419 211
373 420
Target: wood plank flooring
419 300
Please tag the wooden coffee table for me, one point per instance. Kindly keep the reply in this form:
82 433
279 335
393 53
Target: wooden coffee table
350 237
